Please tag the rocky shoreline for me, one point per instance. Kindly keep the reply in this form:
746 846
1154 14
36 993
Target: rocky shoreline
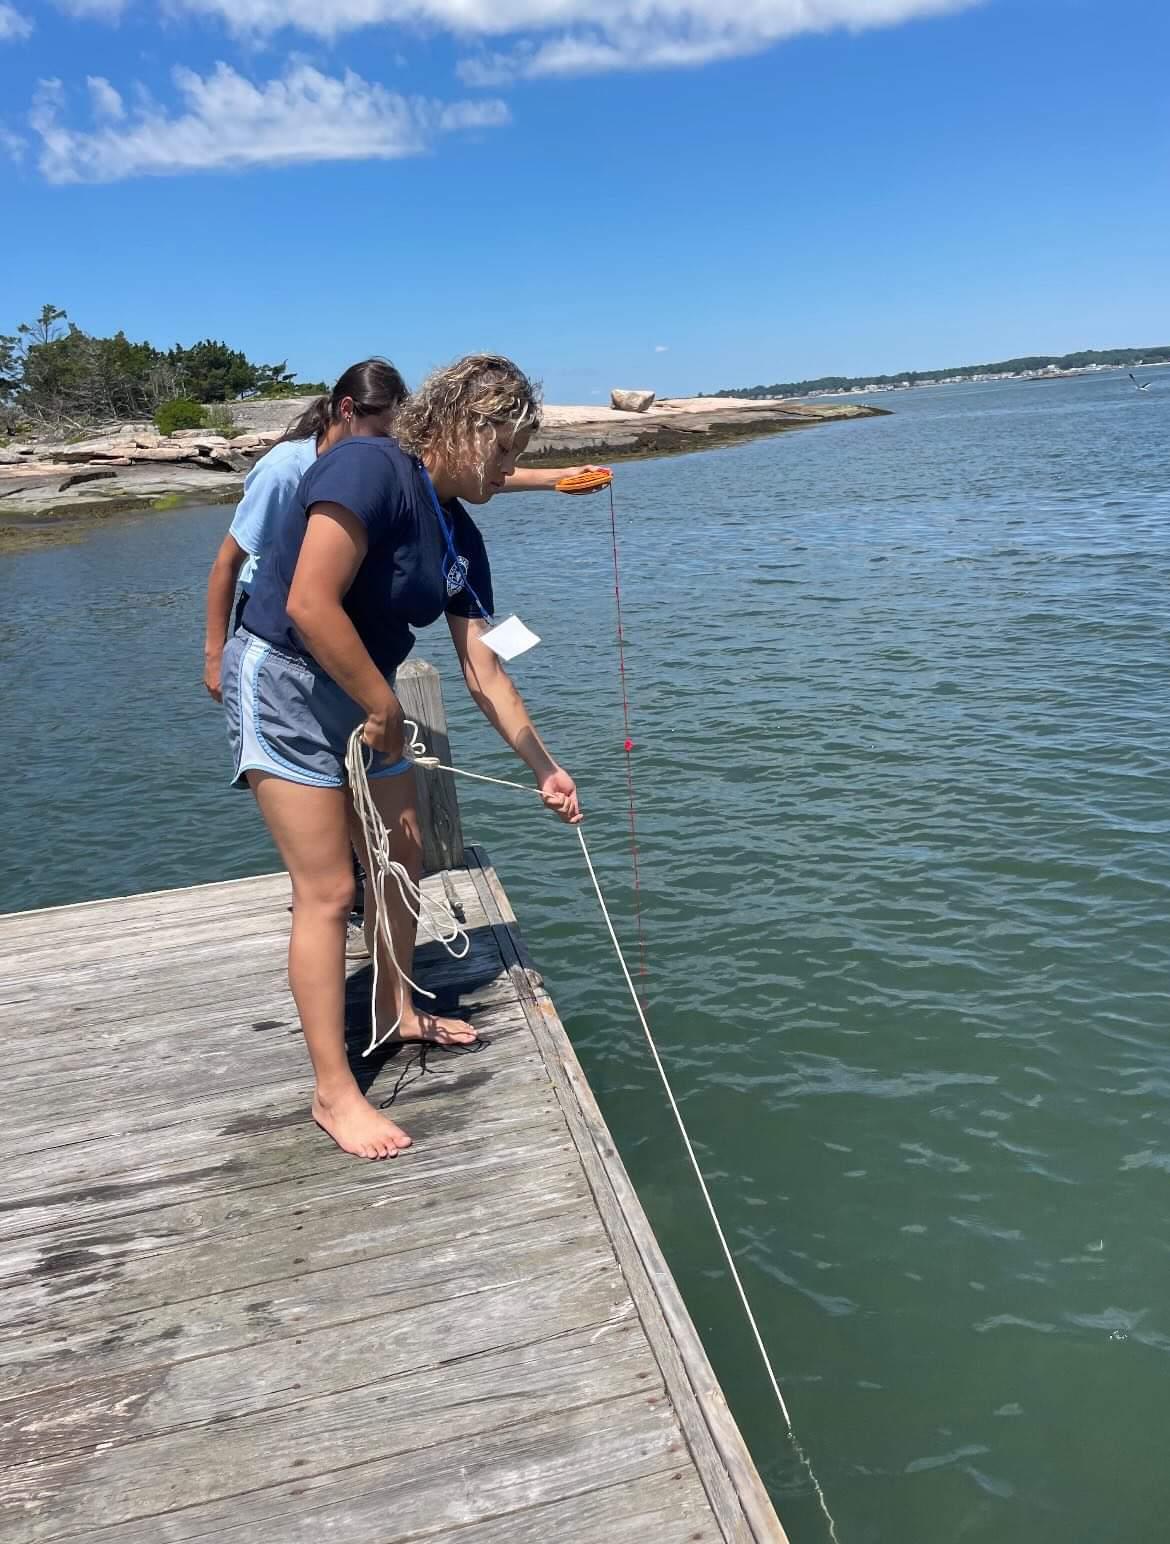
52 490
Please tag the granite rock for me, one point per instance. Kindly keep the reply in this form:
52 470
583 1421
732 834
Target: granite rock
631 401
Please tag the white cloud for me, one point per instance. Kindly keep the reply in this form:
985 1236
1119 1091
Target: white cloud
13 26
229 123
93 10
575 37
595 54
676 34
662 348
12 145
106 101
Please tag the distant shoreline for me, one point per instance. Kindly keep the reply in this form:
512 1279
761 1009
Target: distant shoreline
1029 368
52 493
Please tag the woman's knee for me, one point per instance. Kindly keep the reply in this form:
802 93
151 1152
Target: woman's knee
327 896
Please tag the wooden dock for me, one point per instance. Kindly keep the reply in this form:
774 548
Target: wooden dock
215 1326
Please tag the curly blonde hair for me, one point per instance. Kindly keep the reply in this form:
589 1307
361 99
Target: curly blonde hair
448 413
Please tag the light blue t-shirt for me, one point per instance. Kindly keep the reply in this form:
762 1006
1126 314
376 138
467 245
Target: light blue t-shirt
269 488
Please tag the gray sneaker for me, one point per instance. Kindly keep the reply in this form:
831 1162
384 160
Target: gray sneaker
355 940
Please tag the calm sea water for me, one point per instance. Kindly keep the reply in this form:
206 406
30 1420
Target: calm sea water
900 691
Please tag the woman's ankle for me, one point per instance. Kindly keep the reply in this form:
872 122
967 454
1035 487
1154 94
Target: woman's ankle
336 1089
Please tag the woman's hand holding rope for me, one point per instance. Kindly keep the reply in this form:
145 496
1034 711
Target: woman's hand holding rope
559 792
384 730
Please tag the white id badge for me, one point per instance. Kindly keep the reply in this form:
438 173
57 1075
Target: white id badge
509 638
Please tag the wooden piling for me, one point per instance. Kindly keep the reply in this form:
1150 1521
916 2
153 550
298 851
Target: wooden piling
420 692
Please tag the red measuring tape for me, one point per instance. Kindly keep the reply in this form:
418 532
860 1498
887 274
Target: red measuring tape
629 743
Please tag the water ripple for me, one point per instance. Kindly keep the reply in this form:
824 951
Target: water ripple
899 694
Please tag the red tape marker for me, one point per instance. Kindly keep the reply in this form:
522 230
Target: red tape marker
629 743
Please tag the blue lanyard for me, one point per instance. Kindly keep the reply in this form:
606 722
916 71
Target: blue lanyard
454 564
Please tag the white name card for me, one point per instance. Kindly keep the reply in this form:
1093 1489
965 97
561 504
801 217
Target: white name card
509 638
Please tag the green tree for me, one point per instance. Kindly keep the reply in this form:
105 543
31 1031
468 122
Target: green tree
53 371
212 372
16 347
57 368
45 329
271 380
11 368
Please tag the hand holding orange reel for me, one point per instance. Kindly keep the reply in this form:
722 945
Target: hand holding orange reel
590 481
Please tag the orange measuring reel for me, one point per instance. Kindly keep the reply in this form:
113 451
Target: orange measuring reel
586 482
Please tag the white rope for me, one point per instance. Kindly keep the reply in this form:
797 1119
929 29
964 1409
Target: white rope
377 845
435 915
718 1226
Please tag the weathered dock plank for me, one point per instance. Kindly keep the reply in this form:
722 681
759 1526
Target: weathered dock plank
215 1326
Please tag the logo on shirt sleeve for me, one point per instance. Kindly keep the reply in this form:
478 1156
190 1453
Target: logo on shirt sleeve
456 575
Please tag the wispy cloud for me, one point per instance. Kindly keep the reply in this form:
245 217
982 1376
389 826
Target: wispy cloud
662 348
573 37
227 122
100 10
680 34
12 146
224 120
13 26
632 48
106 101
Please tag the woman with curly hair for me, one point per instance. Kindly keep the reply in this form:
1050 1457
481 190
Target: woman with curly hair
365 400
377 542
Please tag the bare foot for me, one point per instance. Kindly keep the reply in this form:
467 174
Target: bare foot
432 1029
357 1128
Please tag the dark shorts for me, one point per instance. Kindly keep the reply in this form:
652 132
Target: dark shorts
285 716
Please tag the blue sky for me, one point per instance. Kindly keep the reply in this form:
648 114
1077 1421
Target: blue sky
814 186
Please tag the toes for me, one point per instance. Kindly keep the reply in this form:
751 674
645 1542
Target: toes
371 1138
454 1033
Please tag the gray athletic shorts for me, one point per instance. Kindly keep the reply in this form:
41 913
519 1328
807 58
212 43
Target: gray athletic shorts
287 717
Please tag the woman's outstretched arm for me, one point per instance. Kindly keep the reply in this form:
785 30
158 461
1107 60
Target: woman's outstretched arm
494 694
544 479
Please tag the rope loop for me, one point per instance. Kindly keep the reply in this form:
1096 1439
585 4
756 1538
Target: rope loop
383 870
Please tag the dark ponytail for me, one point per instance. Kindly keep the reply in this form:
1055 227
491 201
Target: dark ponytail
312 423
375 386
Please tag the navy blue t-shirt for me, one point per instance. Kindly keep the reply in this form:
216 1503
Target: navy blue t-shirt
402 582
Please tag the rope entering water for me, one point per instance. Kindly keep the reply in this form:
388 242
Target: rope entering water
718 1226
378 848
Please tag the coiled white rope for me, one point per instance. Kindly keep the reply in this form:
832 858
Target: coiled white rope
378 847
382 870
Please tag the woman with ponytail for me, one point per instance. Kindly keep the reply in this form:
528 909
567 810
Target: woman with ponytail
364 401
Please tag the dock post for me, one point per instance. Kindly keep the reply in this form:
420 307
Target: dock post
420 691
